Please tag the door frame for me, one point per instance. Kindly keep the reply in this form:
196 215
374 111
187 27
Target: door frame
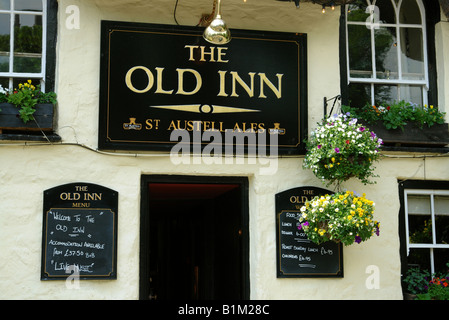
144 264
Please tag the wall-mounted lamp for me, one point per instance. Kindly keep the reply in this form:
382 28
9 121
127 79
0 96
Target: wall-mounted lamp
217 32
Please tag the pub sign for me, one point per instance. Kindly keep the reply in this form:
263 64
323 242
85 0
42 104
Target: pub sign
159 80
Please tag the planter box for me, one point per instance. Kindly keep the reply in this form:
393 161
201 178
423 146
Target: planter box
10 120
412 135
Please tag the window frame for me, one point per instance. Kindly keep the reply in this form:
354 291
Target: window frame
28 75
418 187
427 85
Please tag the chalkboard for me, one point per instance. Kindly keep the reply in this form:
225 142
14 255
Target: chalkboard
79 235
296 256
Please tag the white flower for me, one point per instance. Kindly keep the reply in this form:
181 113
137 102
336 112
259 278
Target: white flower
3 90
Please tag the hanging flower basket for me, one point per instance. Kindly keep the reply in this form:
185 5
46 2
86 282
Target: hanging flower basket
340 217
341 148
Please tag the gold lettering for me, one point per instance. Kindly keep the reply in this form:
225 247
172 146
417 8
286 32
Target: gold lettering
159 82
191 58
235 76
264 79
294 199
70 196
199 81
152 123
222 92
211 53
92 196
220 54
129 82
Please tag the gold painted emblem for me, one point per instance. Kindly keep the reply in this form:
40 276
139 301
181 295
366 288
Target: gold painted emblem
132 125
276 129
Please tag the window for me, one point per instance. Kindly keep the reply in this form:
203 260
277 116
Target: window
23 31
426 226
386 50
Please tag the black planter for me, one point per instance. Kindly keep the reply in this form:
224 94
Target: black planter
412 135
10 119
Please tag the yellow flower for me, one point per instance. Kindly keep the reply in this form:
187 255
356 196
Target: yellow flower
349 217
333 160
321 232
29 81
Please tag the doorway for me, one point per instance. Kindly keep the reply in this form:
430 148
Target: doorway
194 238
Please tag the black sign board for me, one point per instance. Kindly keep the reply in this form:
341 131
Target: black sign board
79 232
158 80
296 256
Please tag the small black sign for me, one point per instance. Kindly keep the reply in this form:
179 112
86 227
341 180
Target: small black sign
79 232
157 80
296 255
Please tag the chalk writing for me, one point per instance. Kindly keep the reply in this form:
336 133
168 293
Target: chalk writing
91 252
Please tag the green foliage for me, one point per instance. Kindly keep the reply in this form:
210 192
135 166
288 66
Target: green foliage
437 288
26 97
397 115
417 280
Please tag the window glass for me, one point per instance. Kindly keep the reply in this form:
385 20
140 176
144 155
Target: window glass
357 11
385 93
441 257
412 53
360 60
28 5
4 42
442 219
386 11
28 43
359 94
386 53
419 257
411 94
409 12
5 4
419 219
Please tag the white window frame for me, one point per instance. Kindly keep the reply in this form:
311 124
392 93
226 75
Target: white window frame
433 245
10 74
424 83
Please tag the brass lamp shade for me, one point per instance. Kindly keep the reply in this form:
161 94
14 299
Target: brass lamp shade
217 32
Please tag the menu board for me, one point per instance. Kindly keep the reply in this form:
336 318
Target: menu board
79 232
296 255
